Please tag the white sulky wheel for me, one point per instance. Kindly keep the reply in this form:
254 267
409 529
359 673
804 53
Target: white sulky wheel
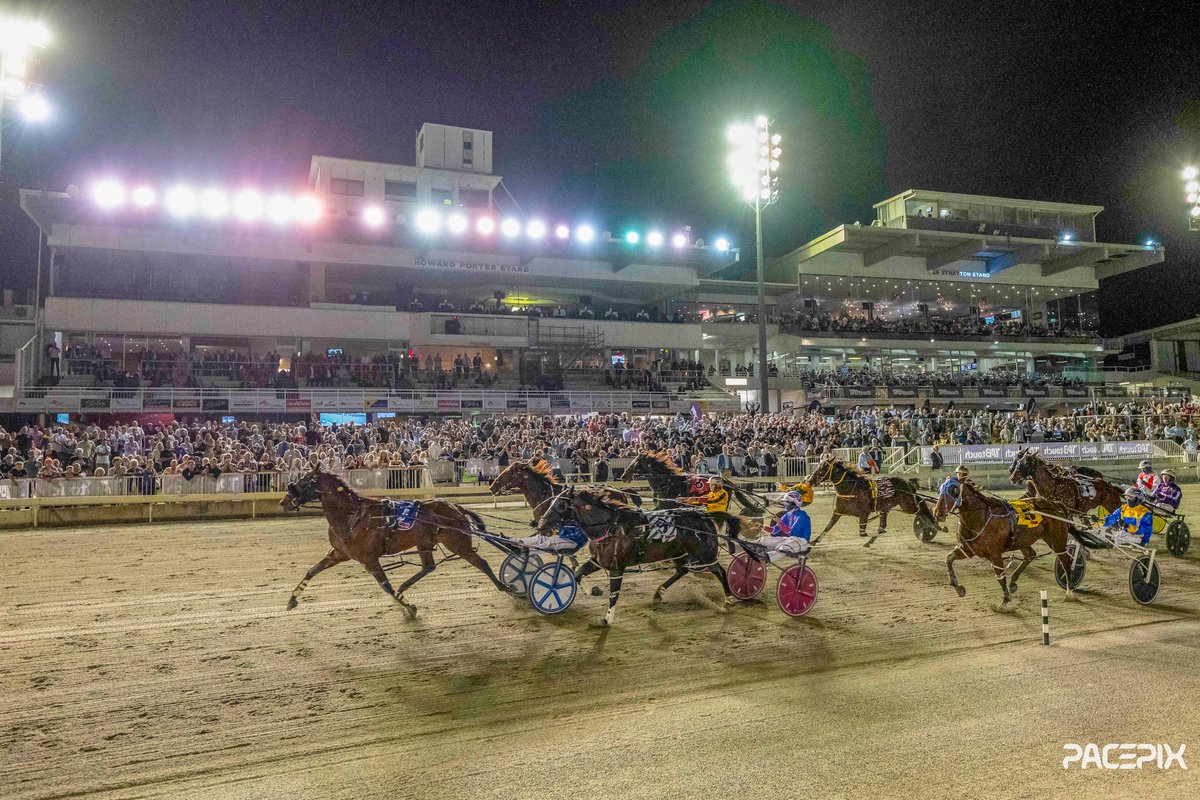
517 569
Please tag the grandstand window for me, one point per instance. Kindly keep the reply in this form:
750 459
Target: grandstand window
346 187
400 190
442 197
473 198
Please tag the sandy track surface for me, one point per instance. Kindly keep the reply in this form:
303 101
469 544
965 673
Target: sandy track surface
148 661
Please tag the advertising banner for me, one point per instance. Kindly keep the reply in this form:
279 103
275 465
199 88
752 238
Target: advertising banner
560 403
903 392
1075 391
581 403
157 404
215 404
449 404
186 404
270 403
119 403
1035 391
516 404
993 391
641 405
429 403
474 403
859 391
605 403
1004 453
538 403
401 404
1113 391
297 404
494 403
238 402
660 405
947 391
327 402
376 402
93 404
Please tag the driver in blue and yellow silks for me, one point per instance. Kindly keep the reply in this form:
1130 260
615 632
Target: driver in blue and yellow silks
1132 522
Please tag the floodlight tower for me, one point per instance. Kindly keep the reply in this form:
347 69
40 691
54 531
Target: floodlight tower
1191 185
18 39
754 168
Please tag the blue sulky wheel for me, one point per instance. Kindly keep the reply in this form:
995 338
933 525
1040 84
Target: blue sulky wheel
552 588
517 569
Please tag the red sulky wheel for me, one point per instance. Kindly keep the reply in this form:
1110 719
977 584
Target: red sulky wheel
797 592
747 577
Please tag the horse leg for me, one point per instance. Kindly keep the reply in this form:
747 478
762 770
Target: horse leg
832 521
376 570
954 555
1029 555
1002 579
719 571
615 576
1064 558
588 568
680 571
334 557
460 545
862 525
882 529
427 566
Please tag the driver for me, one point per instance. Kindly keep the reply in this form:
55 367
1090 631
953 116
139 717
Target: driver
1146 477
717 498
1166 490
1132 523
790 533
568 539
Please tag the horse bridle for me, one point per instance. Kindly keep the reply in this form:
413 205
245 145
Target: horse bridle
566 513
1010 514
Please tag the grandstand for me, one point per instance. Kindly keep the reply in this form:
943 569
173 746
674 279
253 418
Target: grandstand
389 288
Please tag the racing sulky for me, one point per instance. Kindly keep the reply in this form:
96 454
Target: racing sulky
668 482
1079 489
860 496
366 529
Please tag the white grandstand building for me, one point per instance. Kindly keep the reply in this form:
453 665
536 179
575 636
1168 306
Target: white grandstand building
362 286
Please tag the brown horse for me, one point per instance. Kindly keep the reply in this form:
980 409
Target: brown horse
1079 491
989 527
359 530
621 535
534 481
669 482
860 496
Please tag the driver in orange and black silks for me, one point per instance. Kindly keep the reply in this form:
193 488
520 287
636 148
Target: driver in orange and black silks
790 533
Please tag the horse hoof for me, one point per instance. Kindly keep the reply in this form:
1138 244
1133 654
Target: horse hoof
862 533
657 599
411 611
1071 596
598 623
1012 588
962 591
597 591
291 603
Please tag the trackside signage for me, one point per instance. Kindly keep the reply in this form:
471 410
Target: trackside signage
1123 756
1004 453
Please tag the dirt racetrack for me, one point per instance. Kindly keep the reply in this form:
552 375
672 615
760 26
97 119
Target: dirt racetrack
155 661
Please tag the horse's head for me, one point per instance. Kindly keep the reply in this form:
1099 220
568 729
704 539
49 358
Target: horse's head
823 472
300 492
635 468
556 510
1024 464
949 498
511 480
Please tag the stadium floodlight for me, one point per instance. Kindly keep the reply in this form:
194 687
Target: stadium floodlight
486 225
1196 211
248 205
373 216
281 209
536 229
108 194
457 223
562 232
585 233
429 221
679 240
34 107
633 237
754 163
307 209
181 201
214 203
144 196
722 245
510 228
1190 173
654 238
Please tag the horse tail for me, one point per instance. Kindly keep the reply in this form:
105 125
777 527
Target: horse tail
746 499
476 521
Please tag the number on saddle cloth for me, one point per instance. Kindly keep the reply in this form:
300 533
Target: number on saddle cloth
660 526
400 515
698 486
1087 489
1026 516
884 488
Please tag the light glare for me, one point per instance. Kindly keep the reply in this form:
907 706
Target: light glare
679 240
632 237
654 239
34 108
248 205
428 221
562 232
456 223
108 194
585 233
1189 173
536 229
180 201
486 225
510 228
373 216
722 244
307 208
214 203
280 208
144 197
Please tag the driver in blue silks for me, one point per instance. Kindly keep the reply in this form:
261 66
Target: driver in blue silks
1132 522
569 539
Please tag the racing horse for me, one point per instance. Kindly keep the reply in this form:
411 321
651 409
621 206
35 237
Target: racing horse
859 496
359 529
1079 491
534 481
621 535
989 527
669 482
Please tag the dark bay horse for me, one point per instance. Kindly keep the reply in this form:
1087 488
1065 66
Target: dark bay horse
1079 491
534 481
620 535
860 496
358 530
989 527
669 482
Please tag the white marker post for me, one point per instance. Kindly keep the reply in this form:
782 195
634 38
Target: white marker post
1045 619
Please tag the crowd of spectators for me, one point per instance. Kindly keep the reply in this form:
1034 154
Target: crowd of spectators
803 322
759 441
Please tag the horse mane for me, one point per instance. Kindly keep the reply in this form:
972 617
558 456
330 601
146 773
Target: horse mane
663 459
852 469
605 497
542 470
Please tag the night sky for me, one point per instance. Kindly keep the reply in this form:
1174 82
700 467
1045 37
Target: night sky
616 111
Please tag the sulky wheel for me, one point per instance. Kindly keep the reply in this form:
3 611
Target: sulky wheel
797 592
516 570
924 528
1179 537
1143 579
747 577
1078 567
552 588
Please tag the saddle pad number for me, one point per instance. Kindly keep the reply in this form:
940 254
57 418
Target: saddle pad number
1026 516
661 528
400 515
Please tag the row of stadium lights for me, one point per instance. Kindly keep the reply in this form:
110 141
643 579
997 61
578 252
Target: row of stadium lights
249 205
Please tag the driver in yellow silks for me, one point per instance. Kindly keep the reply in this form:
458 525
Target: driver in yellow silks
717 498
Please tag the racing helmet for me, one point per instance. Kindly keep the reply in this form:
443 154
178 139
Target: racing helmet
1133 495
798 497
1167 473
1145 465
961 471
